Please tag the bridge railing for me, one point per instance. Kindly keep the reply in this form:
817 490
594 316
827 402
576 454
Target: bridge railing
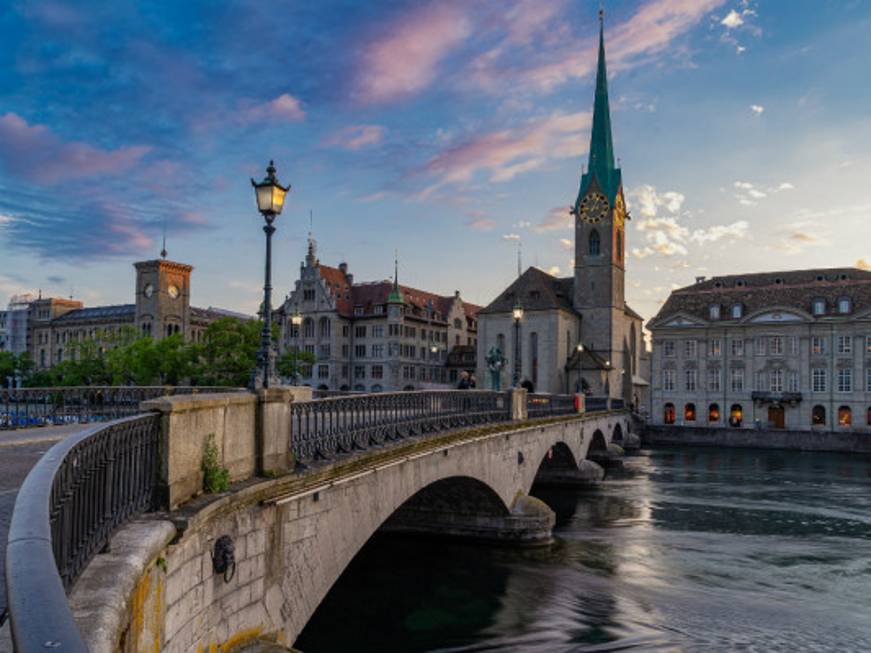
324 427
26 407
66 511
546 405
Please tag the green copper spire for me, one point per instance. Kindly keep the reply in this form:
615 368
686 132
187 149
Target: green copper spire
601 163
395 296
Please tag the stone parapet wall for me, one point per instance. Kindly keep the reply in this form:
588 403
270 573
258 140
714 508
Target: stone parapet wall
655 435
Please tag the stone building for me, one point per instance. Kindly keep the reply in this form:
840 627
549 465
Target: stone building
773 350
375 336
577 333
162 308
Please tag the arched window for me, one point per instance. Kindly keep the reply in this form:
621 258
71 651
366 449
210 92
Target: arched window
594 243
818 415
308 328
689 412
845 416
819 306
714 413
377 387
737 311
500 342
359 388
714 311
668 414
619 245
736 415
324 327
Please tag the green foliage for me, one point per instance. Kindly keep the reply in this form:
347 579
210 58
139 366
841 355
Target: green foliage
215 477
291 363
228 353
14 366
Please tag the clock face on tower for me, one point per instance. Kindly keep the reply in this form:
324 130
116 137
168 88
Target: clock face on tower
593 208
173 291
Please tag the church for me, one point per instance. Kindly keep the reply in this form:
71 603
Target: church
575 334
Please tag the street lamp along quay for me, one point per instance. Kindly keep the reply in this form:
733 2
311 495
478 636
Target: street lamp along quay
270 197
517 314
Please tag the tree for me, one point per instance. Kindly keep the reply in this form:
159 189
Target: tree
8 367
228 352
290 363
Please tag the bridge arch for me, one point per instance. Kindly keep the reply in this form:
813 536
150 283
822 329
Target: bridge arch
617 433
598 443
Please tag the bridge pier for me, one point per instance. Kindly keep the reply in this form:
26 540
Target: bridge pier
611 456
586 474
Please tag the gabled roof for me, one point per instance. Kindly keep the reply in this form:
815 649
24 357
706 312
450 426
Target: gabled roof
536 290
791 289
368 295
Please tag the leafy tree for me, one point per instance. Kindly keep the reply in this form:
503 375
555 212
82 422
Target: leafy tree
228 353
290 363
8 367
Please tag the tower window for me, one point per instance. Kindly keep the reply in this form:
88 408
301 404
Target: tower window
619 245
594 243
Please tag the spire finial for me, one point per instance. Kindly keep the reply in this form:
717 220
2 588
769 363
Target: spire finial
601 14
396 269
163 249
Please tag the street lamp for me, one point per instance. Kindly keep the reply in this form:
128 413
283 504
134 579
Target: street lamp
517 314
270 200
296 322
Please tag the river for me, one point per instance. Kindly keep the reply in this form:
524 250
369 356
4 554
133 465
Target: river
682 550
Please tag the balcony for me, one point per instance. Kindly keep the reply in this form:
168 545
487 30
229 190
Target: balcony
765 397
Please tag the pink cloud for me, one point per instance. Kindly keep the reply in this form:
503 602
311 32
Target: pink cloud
356 137
35 153
481 224
646 33
507 153
283 108
557 218
406 58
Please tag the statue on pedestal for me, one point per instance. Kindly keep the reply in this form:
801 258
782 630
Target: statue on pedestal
495 362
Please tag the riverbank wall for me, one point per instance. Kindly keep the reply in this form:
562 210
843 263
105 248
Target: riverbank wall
843 442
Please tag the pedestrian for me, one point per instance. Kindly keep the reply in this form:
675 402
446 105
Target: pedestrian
528 385
473 382
464 381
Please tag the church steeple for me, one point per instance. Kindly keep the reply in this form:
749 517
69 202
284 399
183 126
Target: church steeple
601 161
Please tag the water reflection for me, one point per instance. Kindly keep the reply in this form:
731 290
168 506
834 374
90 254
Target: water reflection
696 550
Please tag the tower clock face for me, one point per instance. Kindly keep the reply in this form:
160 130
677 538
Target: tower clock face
148 290
594 208
173 291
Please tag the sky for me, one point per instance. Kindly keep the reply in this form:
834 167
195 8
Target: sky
450 131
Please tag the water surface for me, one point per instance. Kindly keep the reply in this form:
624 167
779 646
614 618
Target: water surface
684 550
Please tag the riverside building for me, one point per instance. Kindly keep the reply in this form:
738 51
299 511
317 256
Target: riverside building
375 336
779 350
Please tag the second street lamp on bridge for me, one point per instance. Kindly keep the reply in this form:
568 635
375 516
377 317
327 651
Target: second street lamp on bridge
296 323
517 314
270 197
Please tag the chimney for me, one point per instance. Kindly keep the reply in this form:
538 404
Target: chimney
350 278
700 279
343 268
456 294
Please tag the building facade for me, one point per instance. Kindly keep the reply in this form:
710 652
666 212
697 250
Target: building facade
376 336
577 333
781 350
55 326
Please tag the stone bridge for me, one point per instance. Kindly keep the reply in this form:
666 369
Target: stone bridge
159 588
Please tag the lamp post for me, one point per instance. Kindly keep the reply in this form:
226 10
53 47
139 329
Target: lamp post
270 200
296 322
517 314
580 349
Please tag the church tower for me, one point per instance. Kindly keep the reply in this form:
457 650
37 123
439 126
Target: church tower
600 240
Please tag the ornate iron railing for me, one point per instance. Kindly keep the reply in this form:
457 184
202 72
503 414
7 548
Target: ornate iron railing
326 394
72 501
26 407
546 405
325 427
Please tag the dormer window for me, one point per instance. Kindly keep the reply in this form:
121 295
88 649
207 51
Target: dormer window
358 310
819 307
379 309
844 305
737 311
714 311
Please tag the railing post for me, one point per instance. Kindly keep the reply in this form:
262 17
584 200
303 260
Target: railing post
519 410
580 403
273 430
